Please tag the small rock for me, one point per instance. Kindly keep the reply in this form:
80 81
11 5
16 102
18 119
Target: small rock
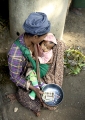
15 109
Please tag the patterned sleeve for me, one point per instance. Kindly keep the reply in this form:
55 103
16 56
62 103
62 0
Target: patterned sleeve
15 63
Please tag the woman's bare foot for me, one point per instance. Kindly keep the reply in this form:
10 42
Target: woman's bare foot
12 97
48 107
37 113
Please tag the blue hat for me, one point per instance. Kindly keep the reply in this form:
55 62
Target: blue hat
37 24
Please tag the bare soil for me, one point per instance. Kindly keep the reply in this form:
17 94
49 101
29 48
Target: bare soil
73 105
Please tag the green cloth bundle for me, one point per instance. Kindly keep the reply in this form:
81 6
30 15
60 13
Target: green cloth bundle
43 67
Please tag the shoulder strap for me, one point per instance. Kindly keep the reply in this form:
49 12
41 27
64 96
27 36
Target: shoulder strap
26 53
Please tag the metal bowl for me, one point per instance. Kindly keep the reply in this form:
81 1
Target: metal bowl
58 94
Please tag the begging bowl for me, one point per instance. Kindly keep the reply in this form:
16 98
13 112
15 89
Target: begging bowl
53 94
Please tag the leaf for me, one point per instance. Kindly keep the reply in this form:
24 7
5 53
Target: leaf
81 64
77 57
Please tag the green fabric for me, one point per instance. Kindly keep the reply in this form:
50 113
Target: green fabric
43 67
32 95
32 76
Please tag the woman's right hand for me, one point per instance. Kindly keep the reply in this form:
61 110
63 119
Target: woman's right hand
37 91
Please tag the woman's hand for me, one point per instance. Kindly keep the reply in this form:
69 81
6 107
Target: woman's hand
37 91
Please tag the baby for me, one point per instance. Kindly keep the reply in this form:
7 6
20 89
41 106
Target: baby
45 56
45 52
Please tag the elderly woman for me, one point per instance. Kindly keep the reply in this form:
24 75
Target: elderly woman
36 27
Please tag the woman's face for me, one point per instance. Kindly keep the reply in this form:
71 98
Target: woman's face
36 39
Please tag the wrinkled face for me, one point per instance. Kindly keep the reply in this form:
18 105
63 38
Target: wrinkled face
37 39
47 45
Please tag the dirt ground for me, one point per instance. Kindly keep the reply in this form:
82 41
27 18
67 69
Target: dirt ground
73 105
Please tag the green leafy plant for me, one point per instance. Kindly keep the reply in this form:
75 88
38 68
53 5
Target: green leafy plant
74 60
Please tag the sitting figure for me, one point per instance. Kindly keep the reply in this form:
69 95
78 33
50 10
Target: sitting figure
36 27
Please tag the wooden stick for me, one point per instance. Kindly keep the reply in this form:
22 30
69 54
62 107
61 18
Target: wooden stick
37 63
